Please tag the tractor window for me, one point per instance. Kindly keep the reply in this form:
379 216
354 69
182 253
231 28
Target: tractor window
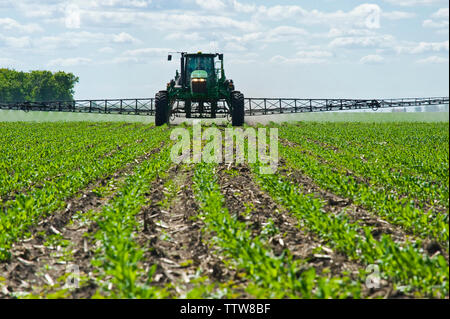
199 63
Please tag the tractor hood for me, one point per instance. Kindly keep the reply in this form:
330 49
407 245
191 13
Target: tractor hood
199 74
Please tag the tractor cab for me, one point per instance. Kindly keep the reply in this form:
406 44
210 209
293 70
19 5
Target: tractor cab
199 62
200 72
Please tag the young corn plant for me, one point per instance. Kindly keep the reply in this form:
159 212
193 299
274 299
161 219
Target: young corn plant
270 276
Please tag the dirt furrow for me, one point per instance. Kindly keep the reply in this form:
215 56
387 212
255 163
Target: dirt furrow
245 199
356 213
174 237
363 179
60 241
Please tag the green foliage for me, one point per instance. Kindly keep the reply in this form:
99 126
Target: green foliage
17 86
399 171
271 276
119 255
46 169
403 263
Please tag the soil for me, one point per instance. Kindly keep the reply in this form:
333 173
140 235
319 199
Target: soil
239 188
363 179
36 265
174 238
357 213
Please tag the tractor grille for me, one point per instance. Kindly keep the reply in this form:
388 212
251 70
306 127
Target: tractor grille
198 87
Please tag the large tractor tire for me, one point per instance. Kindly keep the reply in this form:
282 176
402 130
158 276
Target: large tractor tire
237 108
188 108
161 108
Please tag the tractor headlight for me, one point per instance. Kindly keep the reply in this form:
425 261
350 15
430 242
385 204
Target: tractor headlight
198 80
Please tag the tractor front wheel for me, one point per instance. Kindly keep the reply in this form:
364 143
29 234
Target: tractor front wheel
237 108
161 108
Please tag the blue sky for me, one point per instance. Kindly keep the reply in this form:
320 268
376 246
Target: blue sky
304 49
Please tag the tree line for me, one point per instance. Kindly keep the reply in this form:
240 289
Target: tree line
18 86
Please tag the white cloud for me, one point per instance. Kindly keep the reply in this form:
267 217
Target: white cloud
76 38
38 9
165 21
367 41
337 32
148 52
69 62
314 54
7 62
124 37
246 38
106 50
15 42
279 59
435 24
433 60
278 34
371 59
423 47
194 36
398 15
72 18
284 33
411 3
211 4
439 21
121 3
141 56
132 60
441 13
231 46
245 8
279 12
364 15
242 61
12 25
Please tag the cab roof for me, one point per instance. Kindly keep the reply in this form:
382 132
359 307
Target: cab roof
201 54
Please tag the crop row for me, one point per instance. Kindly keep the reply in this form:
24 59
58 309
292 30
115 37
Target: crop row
28 208
404 264
418 149
380 169
119 256
66 151
399 211
270 276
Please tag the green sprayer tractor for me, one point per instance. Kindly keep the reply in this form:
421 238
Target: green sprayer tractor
200 90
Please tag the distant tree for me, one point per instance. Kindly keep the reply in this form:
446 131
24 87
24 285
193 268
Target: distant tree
16 86
65 85
11 85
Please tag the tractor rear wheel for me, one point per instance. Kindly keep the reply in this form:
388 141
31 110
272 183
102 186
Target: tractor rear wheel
237 108
162 108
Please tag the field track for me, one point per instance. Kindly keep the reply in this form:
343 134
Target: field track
103 203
